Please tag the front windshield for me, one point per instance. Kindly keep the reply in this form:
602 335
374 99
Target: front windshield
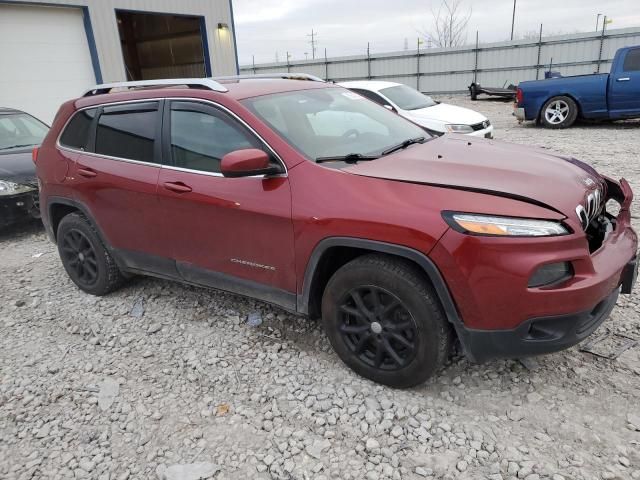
20 130
407 98
332 122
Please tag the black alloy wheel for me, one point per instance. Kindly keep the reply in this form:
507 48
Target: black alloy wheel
384 320
84 256
378 328
80 256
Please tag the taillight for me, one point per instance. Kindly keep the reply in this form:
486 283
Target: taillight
519 96
34 154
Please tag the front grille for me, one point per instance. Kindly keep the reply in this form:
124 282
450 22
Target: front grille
591 208
481 125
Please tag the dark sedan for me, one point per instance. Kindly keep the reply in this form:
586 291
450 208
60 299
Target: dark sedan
19 134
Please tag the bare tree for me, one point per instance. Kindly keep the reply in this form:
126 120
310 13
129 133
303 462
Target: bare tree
449 27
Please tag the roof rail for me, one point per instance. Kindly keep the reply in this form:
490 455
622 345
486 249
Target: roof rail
285 76
202 83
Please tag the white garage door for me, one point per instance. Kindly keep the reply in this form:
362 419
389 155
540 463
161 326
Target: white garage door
44 58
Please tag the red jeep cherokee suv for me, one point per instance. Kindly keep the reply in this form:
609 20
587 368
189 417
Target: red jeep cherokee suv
310 197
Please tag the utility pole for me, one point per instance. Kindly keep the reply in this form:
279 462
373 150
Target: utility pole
475 65
420 42
313 43
253 61
326 65
598 20
604 28
513 19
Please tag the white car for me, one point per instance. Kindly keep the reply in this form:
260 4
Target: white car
422 109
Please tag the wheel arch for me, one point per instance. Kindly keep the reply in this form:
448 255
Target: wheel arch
319 270
60 207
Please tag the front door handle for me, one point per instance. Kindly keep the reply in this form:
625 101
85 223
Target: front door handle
177 187
624 79
86 172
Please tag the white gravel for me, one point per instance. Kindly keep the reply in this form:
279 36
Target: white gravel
161 380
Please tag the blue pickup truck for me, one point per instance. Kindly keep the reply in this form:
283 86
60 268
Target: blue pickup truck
558 102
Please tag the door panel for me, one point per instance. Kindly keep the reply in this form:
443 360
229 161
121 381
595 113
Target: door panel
239 227
122 199
624 86
117 177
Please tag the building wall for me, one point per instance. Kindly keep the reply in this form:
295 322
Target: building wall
452 70
222 48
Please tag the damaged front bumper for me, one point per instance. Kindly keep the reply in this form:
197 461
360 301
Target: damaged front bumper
19 207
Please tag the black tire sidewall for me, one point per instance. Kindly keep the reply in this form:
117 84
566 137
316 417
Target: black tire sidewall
427 318
76 222
567 122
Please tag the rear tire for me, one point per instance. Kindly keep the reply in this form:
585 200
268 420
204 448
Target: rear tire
559 112
85 258
384 321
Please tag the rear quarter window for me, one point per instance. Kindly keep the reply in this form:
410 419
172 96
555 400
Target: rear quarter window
632 61
76 133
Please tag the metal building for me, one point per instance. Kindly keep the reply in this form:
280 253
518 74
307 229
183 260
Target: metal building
51 50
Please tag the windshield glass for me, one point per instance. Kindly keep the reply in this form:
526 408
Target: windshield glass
20 130
332 122
407 98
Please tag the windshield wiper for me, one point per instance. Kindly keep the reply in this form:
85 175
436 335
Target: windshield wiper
18 146
349 158
403 145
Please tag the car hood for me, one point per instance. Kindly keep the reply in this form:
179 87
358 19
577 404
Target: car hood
448 114
18 167
489 166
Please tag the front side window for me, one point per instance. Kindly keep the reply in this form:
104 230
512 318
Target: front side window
407 98
632 61
128 131
19 130
332 121
202 135
76 135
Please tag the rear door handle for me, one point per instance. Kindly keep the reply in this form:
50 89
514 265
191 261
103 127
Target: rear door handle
624 79
86 172
177 187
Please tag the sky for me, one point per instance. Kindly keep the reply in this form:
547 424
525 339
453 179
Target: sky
265 28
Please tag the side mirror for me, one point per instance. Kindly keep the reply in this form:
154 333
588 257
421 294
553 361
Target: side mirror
389 107
247 163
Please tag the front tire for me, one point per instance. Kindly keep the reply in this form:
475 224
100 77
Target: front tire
85 258
559 112
384 321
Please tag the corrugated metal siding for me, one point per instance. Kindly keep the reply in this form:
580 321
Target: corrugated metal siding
105 29
452 70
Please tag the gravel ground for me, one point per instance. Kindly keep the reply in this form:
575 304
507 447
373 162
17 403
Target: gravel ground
161 380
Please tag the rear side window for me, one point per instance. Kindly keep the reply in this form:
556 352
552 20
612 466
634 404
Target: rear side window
128 131
76 135
632 61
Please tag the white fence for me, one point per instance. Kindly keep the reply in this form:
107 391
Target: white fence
439 70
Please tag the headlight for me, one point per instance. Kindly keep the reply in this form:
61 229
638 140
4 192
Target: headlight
504 226
459 128
10 188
